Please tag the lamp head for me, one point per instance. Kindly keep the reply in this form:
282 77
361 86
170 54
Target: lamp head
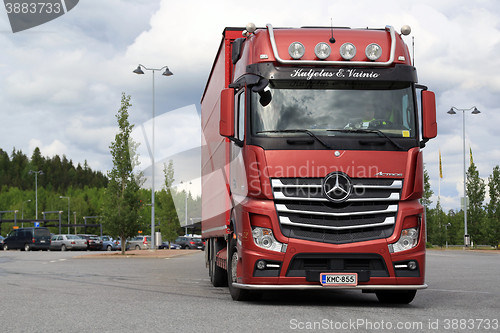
451 111
167 72
475 111
138 70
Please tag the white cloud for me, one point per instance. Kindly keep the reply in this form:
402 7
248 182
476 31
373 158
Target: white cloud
56 147
62 82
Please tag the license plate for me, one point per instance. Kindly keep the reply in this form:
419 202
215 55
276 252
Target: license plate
42 241
339 279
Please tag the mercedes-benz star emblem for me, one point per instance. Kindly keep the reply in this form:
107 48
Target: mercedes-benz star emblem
337 187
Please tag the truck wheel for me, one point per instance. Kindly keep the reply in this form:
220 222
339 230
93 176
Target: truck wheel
218 276
396 297
27 247
5 247
236 293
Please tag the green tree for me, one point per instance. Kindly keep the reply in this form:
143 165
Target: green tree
493 208
169 221
426 202
122 199
475 191
440 234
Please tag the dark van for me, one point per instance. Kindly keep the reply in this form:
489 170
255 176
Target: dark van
27 239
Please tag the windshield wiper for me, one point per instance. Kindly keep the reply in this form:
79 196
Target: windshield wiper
361 130
308 132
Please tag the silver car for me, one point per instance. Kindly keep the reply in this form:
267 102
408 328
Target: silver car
140 243
68 242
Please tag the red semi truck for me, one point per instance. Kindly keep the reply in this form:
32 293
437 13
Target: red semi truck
312 168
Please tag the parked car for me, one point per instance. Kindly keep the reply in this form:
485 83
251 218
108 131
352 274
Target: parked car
118 243
93 242
34 238
68 242
109 244
188 242
1 242
112 245
140 243
173 246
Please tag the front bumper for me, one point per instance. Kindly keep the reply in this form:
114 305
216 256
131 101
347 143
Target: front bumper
312 286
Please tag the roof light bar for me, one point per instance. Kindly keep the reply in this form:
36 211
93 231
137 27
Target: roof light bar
274 47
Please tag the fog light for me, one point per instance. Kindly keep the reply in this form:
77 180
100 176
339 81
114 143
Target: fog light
348 51
373 51
296 50
412 265
322 50
261 264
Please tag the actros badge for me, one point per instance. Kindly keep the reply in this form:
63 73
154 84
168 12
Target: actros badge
26 14
337 187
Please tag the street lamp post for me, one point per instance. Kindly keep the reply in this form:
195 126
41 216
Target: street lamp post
474 111
61 197
36 189
22 211
167 72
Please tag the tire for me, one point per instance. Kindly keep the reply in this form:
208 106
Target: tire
218 276
232 265
63 247
109 248
27 247
5 247
396 297
137 247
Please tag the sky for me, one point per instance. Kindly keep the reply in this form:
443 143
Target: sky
62 81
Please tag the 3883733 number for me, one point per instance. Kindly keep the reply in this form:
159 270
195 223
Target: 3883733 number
471 324
32 8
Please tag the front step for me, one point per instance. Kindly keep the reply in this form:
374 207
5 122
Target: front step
221 258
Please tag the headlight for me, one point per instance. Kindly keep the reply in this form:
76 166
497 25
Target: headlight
407 240
264 238
296 50
322 50
348 51
373 51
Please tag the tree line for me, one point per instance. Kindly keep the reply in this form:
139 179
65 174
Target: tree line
57 173
483 219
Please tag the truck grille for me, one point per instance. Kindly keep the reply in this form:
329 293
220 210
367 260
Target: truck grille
305 213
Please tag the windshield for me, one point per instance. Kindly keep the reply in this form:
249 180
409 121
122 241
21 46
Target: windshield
332 108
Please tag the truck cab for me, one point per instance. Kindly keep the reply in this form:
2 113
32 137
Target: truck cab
318 135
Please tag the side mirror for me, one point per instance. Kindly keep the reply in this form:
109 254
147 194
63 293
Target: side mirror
429 124
226 123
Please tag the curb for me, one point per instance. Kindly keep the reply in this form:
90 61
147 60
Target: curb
139 254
